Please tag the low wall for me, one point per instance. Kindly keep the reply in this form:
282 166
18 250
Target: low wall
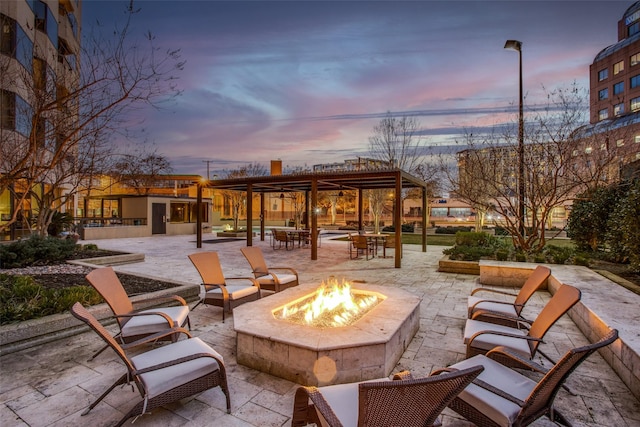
31 333
604 305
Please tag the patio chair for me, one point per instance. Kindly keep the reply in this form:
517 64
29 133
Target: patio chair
270 278
405 401
502 312
135 324
281 236
165 374
360 244
481 337
389 243
217 291
503 397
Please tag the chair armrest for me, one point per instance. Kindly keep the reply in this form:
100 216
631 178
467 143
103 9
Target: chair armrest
178 361
303 413
495 291
169 298
508 357
291 270
502 316
253 281
402 375
503 334
155 337
166 317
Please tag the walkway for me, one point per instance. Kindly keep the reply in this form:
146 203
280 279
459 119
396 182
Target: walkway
51 384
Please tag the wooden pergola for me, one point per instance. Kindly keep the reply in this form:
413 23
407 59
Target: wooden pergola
312 183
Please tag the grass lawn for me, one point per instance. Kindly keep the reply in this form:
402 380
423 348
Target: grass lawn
450 239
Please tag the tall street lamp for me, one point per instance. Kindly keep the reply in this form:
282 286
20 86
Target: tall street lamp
517 45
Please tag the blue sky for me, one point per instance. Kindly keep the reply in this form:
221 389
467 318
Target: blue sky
307 81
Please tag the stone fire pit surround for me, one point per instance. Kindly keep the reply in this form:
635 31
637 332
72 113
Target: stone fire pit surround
368 349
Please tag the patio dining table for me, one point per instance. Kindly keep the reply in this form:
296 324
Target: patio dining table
300 235
375 238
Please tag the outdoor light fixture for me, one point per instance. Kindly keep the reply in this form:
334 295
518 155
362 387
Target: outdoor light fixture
282 195
340 194
517 45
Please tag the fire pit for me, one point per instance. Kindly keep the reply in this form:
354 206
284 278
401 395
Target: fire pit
365 349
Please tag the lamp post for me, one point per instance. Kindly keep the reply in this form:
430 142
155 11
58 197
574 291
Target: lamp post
517 45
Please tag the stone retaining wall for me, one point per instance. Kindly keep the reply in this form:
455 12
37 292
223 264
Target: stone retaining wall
30 333
604 305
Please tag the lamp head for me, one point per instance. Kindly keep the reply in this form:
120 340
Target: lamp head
513 44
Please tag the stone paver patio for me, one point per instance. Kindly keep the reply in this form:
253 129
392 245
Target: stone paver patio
51 384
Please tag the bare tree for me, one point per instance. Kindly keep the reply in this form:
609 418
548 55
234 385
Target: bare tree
557 163
238 199
63 137
140 169
397 142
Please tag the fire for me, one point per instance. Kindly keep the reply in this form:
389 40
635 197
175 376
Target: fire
333 304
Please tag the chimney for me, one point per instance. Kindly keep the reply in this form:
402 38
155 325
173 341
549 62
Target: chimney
276 167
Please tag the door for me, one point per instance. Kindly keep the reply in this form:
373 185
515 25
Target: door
158 218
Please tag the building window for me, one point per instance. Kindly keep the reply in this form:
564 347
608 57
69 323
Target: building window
634 59
635 81
618 88
635 104
15 43
603 114
633 29
636 139
618 109
603 94
45 21
603 74
618 67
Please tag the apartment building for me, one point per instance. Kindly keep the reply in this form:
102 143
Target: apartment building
39 66
615 72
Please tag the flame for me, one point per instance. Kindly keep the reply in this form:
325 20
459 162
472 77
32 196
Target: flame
333 304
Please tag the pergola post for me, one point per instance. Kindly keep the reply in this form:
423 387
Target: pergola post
199 215
397 219
262 217
314 219
249 214
425 210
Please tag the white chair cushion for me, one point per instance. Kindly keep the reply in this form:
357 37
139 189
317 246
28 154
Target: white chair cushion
480 304
146 325
236 292
500 410
157 382
343 399
489 341
282 278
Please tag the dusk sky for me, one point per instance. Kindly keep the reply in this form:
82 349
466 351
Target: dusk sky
306 81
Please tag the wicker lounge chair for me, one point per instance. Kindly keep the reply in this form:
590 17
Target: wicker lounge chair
270 278
217 291
481 337
165 374
506 312
136 324
503 397
405 401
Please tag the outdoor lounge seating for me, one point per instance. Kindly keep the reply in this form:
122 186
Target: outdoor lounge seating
270 278
165 374
503 397
506 312
360 244
481 337
136 324
405 401
280 237
217 291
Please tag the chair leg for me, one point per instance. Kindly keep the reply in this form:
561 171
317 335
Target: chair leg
121 380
